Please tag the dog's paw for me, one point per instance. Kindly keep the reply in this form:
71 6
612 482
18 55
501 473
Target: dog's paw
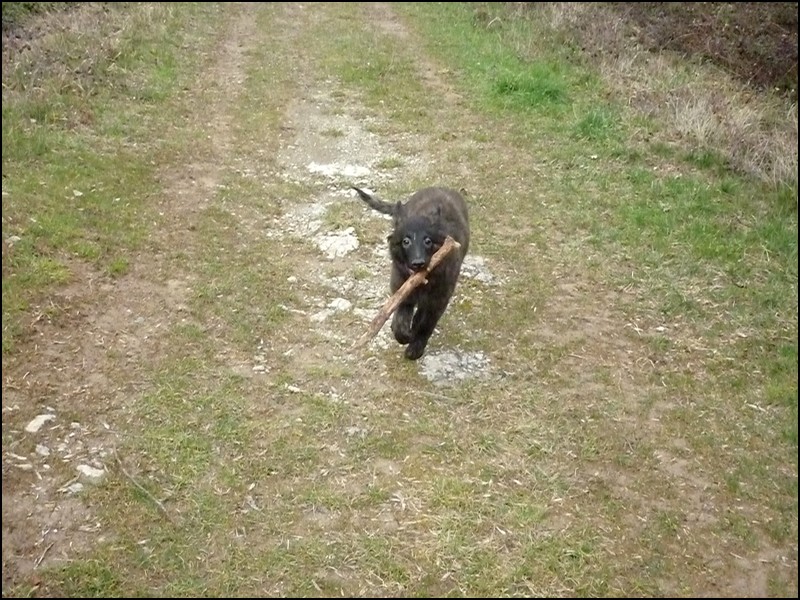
402 337
415 349
401 328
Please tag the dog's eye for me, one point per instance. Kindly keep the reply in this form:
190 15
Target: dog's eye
428 242
406 242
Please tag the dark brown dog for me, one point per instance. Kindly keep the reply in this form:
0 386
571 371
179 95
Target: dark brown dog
420 228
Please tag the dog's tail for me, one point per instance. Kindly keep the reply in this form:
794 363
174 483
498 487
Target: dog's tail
376 203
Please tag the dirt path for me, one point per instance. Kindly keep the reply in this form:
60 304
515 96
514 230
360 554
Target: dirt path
320 257
95 347
102 338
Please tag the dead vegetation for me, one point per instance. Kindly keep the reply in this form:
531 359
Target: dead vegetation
735 96
754 41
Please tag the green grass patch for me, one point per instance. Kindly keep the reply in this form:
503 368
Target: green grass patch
597 125
537 86
76 186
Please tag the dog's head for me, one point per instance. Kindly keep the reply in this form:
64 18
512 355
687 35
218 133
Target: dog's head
414 241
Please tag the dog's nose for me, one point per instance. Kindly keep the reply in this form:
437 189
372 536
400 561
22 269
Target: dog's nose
417 265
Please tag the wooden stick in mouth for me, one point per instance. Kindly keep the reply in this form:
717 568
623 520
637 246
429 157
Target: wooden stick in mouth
404 291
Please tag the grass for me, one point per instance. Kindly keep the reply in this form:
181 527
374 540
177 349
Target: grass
16 14
391 162
637 433
75 191
696 101
333 132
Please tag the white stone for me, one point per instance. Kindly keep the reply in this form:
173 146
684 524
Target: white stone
321 315
338 243
334 169
37 423
474 267
449 367
340 304
74 488
91 474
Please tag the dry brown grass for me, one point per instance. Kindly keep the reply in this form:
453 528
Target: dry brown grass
87 51
754 130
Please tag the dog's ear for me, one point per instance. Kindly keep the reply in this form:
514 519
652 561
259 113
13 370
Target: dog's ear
435 220
399 212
